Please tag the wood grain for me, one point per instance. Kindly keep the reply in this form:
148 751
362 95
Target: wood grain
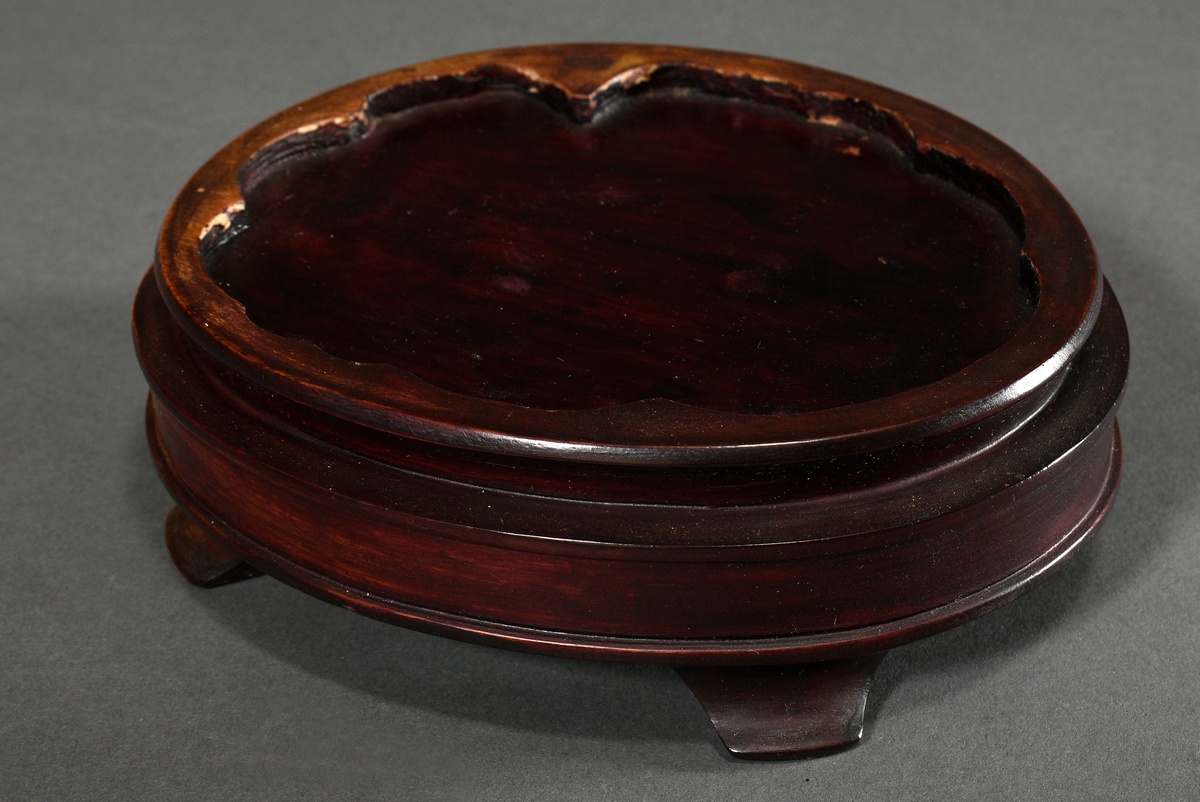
636 353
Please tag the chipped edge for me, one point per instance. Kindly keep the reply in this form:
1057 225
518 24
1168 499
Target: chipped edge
224 219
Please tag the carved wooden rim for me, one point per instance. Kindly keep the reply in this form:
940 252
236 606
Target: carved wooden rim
1055 245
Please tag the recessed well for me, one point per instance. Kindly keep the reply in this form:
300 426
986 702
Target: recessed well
714 251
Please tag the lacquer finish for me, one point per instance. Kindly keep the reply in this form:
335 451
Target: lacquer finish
555 264
636 353
763 712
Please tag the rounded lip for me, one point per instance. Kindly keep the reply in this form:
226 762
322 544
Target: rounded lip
657 431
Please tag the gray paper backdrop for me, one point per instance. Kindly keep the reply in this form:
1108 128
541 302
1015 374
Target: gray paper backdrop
119 681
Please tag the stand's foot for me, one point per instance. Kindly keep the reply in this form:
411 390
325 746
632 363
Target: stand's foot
201 559
772 712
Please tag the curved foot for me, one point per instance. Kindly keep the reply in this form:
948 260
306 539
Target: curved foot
772 712
203 560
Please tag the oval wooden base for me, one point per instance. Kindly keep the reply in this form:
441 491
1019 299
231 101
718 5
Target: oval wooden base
760 423
759 711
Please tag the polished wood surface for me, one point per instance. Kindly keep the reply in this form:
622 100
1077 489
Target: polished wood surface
584 82
708 251
680 357
775 712
204 560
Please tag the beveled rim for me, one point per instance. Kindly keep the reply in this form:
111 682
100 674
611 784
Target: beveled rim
644 432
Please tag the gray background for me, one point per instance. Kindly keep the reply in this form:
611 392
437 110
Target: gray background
119 681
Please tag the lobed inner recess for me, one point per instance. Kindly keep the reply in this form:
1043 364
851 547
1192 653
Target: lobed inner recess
678 243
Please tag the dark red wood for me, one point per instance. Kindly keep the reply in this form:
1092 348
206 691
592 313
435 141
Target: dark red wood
203 560
635 353
561 265
773 712
656 430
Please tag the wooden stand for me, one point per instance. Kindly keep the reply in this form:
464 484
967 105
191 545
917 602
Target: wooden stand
635 353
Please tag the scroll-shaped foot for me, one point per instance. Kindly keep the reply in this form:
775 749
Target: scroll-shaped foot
772 712
202 559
